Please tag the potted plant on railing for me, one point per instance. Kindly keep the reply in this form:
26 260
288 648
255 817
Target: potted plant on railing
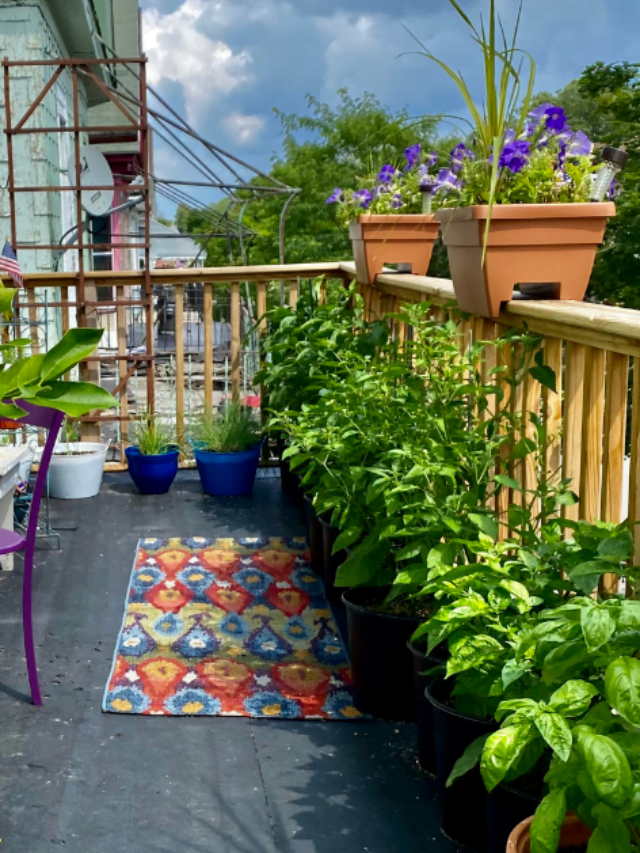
153 457
530 208
390 217
227 450
76 466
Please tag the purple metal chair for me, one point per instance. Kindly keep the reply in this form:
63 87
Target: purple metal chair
10 541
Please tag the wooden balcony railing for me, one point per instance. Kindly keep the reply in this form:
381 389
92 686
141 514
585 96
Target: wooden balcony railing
593 418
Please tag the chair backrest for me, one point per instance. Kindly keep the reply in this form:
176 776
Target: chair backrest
51 420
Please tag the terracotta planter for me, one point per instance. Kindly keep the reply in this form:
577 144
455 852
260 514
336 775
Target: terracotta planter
392 239
541 247
574 833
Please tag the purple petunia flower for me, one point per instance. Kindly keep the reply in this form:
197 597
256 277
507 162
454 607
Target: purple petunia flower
386 174
538 113
396 201
555 119
458 155
430 160
427 180
412 153
363 198
613 190
447 180
515 155
580 145
335 196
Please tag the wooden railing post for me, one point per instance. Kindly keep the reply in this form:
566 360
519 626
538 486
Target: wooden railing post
207 309
235 340
179 342
573 414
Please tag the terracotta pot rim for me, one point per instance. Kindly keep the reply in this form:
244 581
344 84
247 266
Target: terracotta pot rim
578 210
522 831
395 218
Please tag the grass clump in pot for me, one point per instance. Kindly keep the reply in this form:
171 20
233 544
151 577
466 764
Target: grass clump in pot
232 430
153 438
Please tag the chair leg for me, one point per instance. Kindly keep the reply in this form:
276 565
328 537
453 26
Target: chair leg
27 628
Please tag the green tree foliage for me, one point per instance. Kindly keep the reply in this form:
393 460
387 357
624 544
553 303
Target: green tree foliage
325 148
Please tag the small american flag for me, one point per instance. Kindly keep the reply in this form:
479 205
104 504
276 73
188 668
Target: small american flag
9 263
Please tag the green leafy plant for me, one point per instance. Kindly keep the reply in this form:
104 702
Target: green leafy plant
153 438
38 378
592 730
233 430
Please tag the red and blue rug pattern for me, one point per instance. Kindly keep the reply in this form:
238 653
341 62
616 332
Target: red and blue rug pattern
219 627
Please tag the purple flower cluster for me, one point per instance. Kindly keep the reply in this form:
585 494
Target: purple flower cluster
335 196
458 155
363 198
386 174
412 153
447 180
515 155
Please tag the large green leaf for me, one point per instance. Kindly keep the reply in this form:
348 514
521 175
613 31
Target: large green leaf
586 575
607 767
467 760
347 537
547 823
75 345
622 688
73 398
502 750
611 838
573 698
563 661
597 626
486 523
470 652
629 614
555 730
7 295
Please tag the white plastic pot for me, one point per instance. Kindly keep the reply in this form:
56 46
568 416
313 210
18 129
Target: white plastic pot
73 477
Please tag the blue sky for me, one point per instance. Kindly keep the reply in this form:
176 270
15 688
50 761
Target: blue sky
225 63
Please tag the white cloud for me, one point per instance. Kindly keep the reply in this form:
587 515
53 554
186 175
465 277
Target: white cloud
243 129
178 51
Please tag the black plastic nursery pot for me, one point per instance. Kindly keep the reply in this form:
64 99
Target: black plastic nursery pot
314 535
331 562
507 806
463 804
426 669
381 663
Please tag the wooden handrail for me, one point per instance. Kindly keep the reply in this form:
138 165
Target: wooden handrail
593 349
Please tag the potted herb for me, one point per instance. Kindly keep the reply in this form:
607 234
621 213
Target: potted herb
153 458
76 467
227 450
549 672
390 216
529 207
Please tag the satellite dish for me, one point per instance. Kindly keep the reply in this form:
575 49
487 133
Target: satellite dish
94 172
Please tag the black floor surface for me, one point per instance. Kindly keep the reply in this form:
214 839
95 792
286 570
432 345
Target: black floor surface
75 778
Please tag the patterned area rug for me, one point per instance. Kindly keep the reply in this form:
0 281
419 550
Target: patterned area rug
232 628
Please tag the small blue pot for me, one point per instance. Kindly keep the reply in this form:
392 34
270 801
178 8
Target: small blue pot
153 475
225 474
